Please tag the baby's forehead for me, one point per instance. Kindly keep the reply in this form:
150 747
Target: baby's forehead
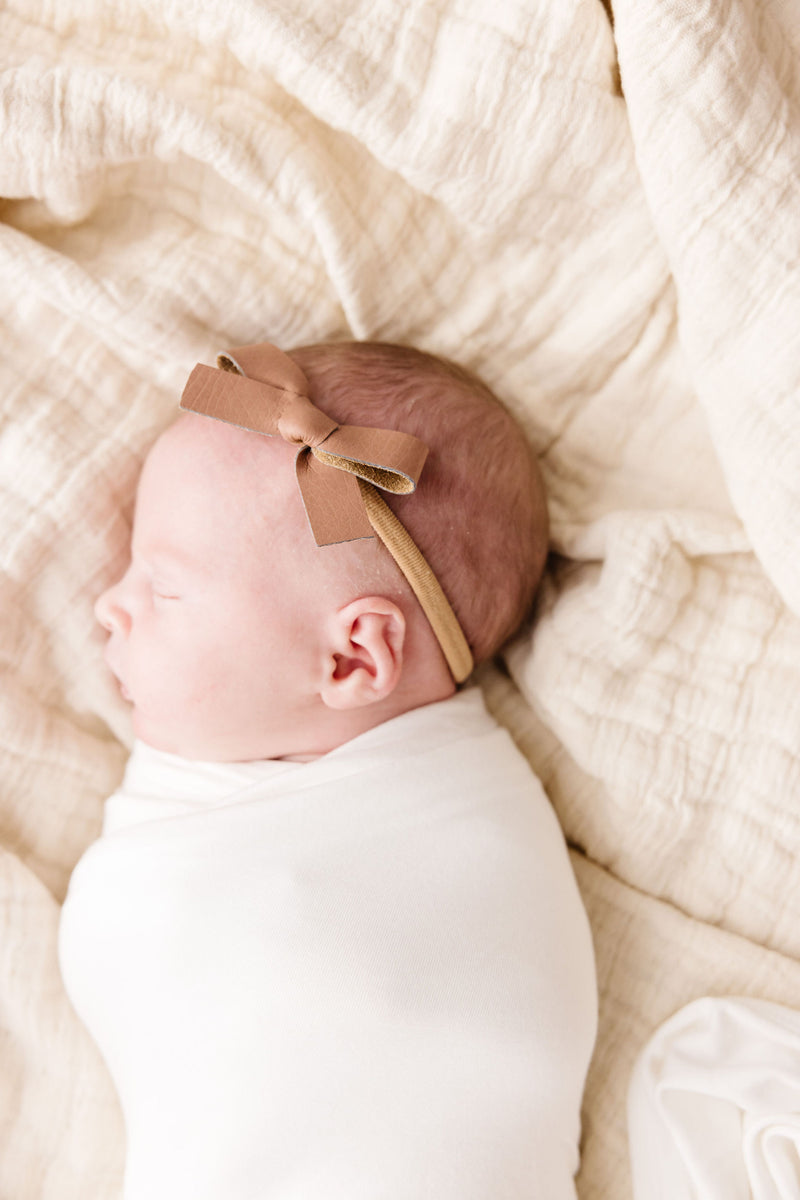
202 442
205 479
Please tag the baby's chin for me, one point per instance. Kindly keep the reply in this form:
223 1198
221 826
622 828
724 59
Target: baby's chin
156 734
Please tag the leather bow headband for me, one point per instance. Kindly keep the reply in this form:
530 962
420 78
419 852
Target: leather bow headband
339 468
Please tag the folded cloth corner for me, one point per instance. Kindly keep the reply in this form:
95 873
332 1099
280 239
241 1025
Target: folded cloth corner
714 1104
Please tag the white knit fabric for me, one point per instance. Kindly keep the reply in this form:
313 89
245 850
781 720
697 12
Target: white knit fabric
714 1104
369 977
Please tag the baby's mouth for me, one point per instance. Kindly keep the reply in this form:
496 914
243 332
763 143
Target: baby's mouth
123 690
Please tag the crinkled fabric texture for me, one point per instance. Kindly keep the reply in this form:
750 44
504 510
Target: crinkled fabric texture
467 176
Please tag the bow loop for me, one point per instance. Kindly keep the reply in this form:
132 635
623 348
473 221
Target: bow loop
391 460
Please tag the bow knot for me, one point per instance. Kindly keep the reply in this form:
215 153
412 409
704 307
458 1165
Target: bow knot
302 423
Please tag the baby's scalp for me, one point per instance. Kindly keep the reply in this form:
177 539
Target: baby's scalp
479 513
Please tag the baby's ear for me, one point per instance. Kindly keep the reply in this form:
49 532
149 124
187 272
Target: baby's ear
366 653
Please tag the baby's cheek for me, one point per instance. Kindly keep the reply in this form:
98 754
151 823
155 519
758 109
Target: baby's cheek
159 689
206 685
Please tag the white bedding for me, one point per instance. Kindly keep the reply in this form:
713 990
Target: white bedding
467 176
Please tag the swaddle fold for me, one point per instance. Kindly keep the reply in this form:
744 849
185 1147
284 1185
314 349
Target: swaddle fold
368 976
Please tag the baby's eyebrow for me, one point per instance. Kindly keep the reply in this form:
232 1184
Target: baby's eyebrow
160 561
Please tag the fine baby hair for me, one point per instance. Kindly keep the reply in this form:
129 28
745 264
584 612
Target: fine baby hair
479 514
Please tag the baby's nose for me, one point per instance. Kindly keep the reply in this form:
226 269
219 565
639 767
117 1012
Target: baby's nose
110 611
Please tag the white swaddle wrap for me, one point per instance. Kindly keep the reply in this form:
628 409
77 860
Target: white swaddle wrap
366 977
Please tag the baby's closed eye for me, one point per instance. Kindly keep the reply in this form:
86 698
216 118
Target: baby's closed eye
163 593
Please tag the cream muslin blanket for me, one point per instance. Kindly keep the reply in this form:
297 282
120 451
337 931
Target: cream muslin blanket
602 219
367 976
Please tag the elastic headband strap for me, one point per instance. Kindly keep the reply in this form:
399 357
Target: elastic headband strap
424 584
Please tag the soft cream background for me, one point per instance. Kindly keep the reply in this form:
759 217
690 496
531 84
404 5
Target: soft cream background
464 175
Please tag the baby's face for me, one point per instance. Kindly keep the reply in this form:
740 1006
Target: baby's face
211 627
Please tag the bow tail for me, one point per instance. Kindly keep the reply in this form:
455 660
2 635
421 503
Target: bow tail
332 500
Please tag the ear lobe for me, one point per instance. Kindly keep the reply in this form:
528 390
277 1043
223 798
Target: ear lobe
366 660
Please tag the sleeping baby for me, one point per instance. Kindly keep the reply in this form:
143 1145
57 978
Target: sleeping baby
329 943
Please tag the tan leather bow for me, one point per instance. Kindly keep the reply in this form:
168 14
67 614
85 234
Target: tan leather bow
387 458
261 389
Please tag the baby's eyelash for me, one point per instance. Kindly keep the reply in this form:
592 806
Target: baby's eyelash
161 594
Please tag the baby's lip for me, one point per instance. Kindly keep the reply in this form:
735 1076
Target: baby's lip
107 657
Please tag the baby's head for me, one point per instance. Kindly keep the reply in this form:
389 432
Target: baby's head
236 636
